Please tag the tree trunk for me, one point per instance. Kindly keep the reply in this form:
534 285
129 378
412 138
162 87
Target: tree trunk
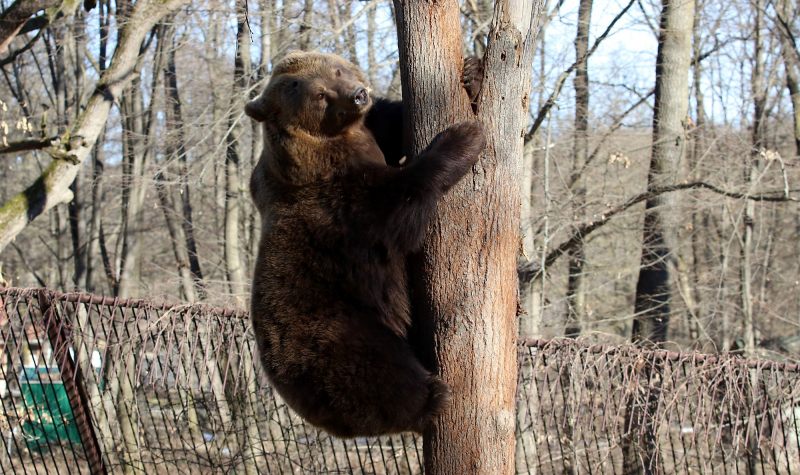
177 151
241 73
131 109
576 294
304 32
791 65
97 157
750 172
466 300
652 301
345 15
52 187
698 149
246 432
138 141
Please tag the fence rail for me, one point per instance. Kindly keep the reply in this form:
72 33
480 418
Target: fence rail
92 384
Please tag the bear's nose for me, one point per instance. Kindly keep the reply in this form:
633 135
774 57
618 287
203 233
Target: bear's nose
360 97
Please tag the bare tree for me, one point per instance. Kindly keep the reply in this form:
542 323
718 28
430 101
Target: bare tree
669 142
576 298
791 63
176 152
652 301
234 267
19 15
52 187
749 174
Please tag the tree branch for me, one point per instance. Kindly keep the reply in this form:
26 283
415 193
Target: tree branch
718 45
786 31
52 187
562 78
27 145
615 125
530 270
35 24
16 54
16 16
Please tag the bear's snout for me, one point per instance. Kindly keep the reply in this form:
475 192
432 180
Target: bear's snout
360 97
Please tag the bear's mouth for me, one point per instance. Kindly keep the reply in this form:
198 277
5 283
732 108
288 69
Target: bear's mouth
353 105
360 97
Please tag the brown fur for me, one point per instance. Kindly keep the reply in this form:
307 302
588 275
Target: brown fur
330 303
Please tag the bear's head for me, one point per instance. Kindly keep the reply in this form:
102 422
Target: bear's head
319 93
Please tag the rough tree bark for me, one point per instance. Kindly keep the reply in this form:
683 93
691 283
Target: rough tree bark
52 187
466 300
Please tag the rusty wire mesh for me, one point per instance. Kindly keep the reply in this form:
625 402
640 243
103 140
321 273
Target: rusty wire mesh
92 384
622 409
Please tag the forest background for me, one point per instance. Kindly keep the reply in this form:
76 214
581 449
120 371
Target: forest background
159 208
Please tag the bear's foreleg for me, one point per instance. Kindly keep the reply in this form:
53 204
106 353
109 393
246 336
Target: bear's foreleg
385 118
403 200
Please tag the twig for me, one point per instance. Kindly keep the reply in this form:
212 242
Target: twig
17 53
530 270
542 114
27 145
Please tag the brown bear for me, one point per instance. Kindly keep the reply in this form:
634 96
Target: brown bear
330 301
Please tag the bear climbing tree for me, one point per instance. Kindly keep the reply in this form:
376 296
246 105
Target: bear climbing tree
338 224
465 276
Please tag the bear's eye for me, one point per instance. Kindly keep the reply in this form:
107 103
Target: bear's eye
321 96
338 72
295 84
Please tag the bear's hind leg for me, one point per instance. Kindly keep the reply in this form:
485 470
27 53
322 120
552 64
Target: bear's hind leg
379 386
438 398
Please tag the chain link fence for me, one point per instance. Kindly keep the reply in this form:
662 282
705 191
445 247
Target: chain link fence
90 384
622 409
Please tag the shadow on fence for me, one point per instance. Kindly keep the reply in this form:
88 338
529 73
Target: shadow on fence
91 385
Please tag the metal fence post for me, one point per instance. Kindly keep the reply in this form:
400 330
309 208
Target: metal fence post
71 376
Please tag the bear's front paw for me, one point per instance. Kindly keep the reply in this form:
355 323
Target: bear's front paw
448 158
472 77
465 140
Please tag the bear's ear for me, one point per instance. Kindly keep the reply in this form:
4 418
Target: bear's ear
256 109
